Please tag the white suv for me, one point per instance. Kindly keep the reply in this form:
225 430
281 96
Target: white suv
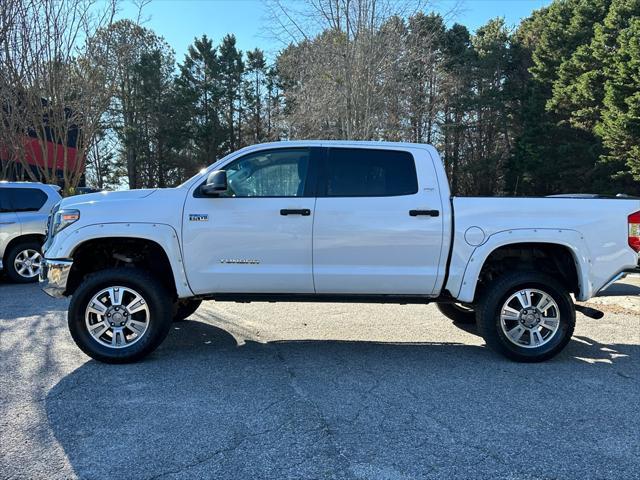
24 208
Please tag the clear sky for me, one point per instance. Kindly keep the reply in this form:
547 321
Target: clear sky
179 21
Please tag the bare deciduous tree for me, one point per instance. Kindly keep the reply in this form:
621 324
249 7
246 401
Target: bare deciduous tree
343 65
54 86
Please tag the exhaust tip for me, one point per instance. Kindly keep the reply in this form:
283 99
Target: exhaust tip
590 312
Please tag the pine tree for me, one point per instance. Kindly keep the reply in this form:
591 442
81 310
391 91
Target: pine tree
231 70
491 130
551 155
156 129
256 72
580 95
578 90
620 126
457 70
200 86
273 103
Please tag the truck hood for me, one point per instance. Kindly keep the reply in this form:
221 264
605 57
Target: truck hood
160 205
93 198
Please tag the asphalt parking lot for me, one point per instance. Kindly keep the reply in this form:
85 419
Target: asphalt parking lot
317 391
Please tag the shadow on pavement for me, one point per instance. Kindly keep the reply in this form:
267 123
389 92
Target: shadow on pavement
621 289
201 406
27 300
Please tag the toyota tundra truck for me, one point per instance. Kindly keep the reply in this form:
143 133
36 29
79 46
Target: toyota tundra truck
333 221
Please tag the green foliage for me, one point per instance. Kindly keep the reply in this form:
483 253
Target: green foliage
620 125
232 68
169 125
253 93
199 91
564 144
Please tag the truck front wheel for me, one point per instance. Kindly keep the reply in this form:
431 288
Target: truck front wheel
120 315
526 316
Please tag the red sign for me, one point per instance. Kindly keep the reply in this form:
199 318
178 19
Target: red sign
54 155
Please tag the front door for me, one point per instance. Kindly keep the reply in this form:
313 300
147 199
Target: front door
256 236
378 225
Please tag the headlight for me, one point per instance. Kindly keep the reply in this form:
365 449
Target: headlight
62 219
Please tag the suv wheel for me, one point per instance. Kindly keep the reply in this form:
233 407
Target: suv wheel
24 262
458 313
184 308
120 315
526 316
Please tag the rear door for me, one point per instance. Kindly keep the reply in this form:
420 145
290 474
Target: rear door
378 226
9 225
27 203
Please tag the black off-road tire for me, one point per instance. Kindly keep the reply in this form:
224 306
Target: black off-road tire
9 265
183 309
156 297
457 313
489 308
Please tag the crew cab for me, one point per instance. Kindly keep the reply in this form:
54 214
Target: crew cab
336 221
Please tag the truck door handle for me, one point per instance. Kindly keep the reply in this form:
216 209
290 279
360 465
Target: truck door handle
305 212
7 223
428 213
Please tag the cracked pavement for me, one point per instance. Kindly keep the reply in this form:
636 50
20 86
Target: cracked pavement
310 391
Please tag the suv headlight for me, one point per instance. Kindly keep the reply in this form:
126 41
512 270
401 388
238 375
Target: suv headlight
62 219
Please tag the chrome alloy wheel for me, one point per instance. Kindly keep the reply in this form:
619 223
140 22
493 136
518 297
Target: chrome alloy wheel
117 317
530 318
28 263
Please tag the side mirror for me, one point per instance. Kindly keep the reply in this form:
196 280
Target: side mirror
216 183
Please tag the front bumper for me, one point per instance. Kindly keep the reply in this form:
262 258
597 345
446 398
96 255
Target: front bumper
54 275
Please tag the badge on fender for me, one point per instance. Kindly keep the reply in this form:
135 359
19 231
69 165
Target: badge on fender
198 217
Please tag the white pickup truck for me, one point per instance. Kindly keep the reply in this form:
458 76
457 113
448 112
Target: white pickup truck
339 222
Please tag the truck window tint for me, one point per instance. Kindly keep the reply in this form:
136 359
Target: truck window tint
25 199
272 173
364 172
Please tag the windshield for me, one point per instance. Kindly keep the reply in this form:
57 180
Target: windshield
202 172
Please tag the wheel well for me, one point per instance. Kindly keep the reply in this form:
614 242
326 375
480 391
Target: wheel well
550 258
99 254
34 237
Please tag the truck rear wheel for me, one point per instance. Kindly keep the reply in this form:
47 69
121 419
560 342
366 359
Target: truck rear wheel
526 316
457 312
120 315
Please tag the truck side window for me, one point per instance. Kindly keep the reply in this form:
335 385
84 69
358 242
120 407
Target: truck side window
362 172
25 199
272 173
